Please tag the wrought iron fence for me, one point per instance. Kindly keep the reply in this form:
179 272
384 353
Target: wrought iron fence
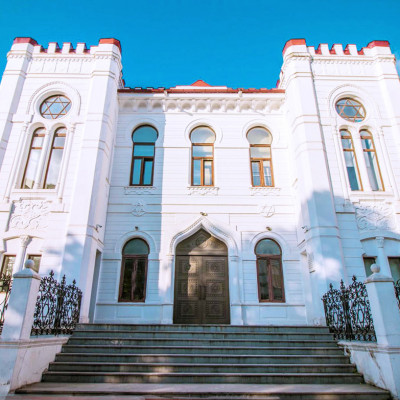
57 307
5 290
397 291
348 312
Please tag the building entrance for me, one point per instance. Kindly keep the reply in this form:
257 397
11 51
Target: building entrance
201 281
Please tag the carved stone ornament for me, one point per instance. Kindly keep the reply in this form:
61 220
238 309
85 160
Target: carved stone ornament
203 190
29 214
375 217
140 190
267 210
263 191
310 262
138 209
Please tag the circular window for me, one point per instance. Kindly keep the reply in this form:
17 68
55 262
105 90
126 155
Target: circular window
350 109
55 107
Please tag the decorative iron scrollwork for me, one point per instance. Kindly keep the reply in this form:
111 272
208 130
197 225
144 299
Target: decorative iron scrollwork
5 291
57 307
348 312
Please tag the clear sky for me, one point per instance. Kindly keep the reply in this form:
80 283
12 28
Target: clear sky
237 43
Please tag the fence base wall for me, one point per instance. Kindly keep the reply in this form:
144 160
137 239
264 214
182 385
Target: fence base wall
23 361
379 364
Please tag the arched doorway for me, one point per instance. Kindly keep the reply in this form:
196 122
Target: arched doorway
201 281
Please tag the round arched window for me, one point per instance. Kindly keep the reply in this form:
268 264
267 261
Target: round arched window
350 109
134 271
269 270
202 139
55 107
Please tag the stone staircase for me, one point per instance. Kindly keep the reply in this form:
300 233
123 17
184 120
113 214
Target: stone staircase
136 359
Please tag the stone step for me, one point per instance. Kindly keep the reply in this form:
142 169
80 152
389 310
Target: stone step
99 391
204 328
209 378
202 358
306 350
200 368
111 341
206 335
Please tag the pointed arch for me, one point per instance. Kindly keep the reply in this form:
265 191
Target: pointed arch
212 228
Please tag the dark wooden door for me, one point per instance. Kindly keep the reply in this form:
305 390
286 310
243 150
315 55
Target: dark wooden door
201 281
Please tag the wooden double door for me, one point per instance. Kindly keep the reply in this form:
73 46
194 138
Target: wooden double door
202 282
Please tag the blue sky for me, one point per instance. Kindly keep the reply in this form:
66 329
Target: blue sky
171 42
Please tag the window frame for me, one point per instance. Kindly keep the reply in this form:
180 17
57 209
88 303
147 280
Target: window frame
5 256
373 150
268 258
51 153
136 258
143 158
260 161
31 257
202 160
349 136
34 135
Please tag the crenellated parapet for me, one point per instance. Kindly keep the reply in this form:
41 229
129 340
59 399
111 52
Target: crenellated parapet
336 60
66 59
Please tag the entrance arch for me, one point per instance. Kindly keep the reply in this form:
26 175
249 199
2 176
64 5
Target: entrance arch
201 294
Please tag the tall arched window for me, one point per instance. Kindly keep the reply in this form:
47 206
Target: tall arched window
134 271
202 139
269 271
260 157
143 139
351 161
54 163
32 163
371 161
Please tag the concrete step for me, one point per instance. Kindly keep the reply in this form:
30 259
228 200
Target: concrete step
101 391
209 378
202 358
204 328
200 368
112 341
148 334
121 349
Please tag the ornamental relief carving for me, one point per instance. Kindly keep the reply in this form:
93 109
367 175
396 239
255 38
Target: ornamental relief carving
29 214
263 191
140 190
203 190
267 210
139 209
375 217
201 241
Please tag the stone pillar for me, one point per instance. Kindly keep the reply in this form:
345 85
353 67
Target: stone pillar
384 308
21 306
382 257
19 262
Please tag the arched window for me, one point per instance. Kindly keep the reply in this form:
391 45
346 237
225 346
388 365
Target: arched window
351 161
269 271
202 139
32 163
143 139
134 271
371 161
260 157
54 163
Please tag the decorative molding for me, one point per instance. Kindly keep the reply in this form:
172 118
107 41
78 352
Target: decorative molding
380 242
201 105
203 190
267 210
139 209
140 190
263 191
375 217
24 240
29 214
310 262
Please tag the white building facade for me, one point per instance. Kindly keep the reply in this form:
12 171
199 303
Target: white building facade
199 203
